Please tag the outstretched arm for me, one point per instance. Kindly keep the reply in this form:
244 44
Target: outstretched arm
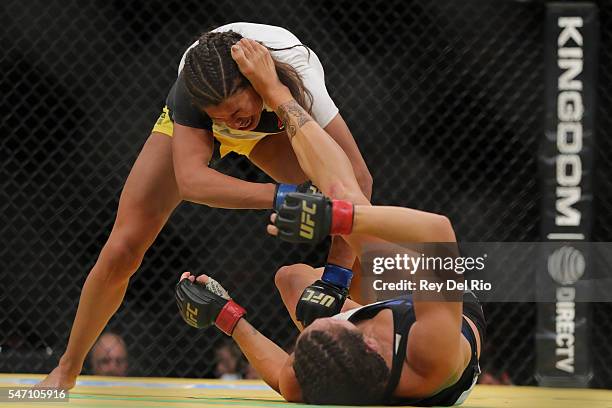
272 363
402 225
191 151
203 302
326 164
321 158
319 155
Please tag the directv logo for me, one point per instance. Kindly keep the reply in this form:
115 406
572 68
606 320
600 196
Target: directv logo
566 265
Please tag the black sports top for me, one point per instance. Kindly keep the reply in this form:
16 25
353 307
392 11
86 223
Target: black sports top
403 318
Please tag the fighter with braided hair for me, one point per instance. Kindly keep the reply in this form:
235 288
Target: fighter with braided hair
414 349
210 100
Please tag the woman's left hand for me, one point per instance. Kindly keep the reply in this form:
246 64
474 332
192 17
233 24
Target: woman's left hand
256 64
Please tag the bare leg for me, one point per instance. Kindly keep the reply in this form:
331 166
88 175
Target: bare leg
274 155
293 279
149 196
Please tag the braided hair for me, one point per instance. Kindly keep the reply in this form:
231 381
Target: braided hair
339 369
211 75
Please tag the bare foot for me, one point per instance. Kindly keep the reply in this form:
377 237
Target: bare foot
58 379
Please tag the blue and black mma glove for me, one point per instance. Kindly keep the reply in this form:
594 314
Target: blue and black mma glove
326 296
202 305
283 189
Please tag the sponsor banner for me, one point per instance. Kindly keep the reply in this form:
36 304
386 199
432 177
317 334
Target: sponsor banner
566 166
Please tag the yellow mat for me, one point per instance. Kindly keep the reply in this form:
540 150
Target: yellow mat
166 392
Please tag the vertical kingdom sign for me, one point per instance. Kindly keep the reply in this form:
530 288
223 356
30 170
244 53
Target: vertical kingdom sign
566 167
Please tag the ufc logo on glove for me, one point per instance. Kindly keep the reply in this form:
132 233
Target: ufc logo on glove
321 298
308 224
192 315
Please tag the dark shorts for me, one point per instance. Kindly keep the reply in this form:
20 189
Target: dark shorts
473 310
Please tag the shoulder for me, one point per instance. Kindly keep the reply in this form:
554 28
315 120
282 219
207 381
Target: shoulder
182 111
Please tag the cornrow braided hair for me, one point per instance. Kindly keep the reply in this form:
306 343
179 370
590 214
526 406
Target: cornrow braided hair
211 75
339 369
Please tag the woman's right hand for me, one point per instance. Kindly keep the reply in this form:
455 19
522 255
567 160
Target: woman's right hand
256 64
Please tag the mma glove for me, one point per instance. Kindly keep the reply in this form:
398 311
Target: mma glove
326 296
283 189
312 217
202 305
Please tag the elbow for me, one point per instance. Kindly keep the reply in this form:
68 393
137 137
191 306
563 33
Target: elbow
186 184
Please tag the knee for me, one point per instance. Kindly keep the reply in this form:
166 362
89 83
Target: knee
284 278
120 258
281 278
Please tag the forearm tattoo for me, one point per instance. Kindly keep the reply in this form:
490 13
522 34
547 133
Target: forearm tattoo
293 116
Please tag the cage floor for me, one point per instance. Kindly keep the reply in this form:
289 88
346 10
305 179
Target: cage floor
167 392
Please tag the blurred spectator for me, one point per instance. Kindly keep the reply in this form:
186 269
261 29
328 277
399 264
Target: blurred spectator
490 378
109 356
491 361
250 373
228 361
231 364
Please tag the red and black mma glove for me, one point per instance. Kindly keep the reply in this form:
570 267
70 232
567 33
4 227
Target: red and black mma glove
202 305
312 217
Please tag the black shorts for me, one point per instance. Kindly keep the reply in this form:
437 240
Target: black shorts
473 310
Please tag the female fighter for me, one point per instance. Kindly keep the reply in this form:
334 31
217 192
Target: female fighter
413 350
210 100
